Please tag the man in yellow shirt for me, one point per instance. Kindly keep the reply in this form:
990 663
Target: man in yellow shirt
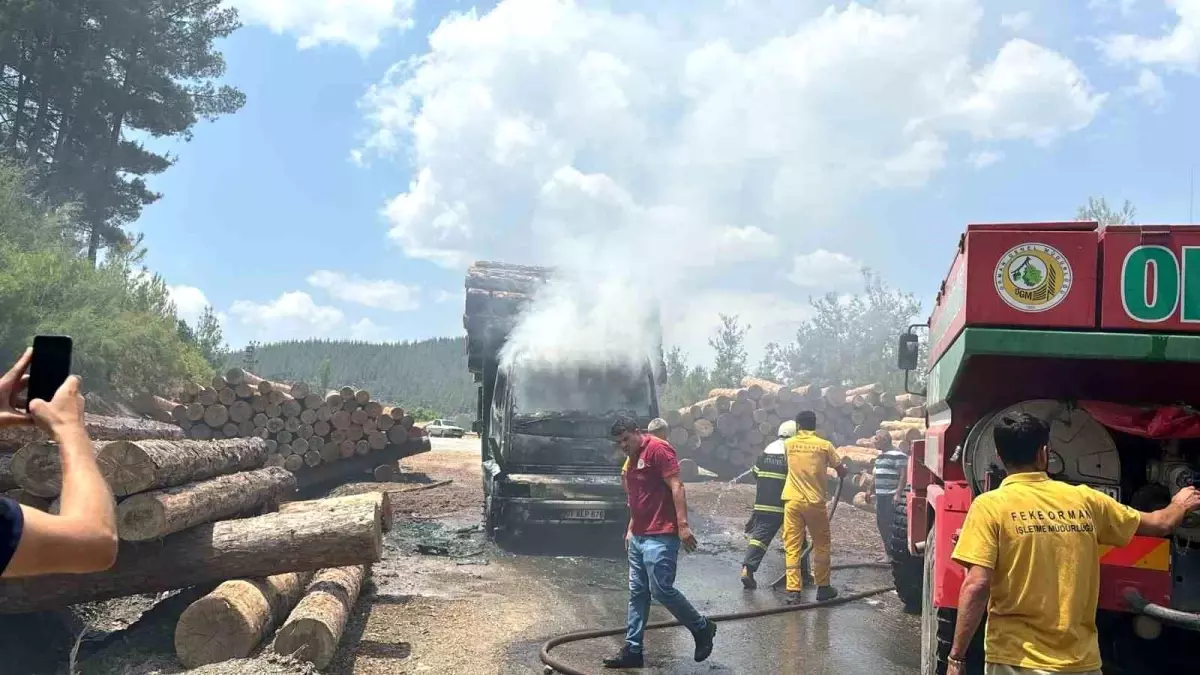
1033 547
809 457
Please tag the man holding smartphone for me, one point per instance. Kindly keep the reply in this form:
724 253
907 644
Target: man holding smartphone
83 536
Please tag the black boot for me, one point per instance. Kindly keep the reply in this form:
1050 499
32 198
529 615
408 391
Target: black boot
826 593
748 581
794 598
704 640
624 659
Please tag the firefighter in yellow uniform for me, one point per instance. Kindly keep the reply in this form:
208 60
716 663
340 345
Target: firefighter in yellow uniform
809 457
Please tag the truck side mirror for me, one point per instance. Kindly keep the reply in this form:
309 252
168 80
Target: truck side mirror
906 354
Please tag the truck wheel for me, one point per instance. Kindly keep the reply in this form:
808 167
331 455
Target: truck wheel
907 569
937 626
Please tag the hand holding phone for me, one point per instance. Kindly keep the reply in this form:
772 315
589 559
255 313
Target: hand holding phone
12 384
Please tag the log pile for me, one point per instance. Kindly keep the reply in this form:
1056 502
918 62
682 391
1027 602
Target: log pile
725 432
195 512
303 429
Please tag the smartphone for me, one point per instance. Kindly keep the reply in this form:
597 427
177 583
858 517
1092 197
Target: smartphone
50 367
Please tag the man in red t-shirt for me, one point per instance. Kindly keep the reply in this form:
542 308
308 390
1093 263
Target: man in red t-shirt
657 528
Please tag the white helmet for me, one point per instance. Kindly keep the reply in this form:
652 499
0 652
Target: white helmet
787 429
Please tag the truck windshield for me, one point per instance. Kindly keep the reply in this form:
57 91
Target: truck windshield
542 397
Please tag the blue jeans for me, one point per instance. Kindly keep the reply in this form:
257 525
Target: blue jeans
652 560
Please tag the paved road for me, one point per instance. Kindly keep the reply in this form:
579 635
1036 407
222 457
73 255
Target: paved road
580 584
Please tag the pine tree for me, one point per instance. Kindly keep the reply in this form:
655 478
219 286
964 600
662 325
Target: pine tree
730 345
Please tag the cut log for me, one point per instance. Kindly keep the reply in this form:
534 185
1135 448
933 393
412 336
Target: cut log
293 463
397 414
324 413
216 415
347 394
316 443
241 411
231 621
380 499
133 467
385 473
346 449
313 630
28 499
321 428
312 458
362 397
291 408
155 514
195 412
373 409
200 432
7 482
347 534
703 428
329 453
308 416
732 394
300 390
333 399
37 468
377 440
384 423
358 417
99 428
341 420
284 436
677 436
245 428
292 424
226 396
259 403
207 397
275 459
155 407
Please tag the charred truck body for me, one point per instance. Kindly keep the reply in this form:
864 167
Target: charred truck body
1096 332
544 425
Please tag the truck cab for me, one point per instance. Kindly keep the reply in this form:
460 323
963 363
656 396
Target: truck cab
547 456
1096 331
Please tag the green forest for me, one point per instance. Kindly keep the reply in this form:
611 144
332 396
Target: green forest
429 374
80 84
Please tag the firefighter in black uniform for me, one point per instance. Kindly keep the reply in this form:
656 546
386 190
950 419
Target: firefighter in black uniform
770 471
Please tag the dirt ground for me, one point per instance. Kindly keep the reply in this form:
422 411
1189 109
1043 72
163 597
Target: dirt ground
443 599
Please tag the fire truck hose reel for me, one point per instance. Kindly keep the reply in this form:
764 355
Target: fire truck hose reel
553 665
1166 615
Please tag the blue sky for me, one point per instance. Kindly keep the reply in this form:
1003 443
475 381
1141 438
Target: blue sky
723 156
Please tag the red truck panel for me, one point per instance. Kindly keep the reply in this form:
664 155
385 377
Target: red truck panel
1023 275
1151 278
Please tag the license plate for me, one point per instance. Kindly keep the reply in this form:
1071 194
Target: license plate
585 514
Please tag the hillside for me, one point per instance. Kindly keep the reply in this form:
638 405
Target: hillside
429 373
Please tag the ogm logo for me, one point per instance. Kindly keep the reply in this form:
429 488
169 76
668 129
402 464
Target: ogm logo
1033 277
1155 284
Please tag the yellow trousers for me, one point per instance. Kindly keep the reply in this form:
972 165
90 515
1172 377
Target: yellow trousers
797 517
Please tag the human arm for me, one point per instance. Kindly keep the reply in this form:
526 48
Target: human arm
680 498
972 605
978 550
1163 522
83 536
835 462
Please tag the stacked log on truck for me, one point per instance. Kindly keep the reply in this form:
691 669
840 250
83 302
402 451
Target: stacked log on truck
726 432
202 513
303 429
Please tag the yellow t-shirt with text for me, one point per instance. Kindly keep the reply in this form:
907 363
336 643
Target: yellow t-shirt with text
1042 538
809 457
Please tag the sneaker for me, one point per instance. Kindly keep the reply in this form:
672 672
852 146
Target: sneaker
624 659
794 598
748 581
704 640
826 593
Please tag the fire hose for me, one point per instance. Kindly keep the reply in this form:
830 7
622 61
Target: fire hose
554 665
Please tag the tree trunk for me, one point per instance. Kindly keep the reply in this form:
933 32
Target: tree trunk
147 465
152 515
249 547
232 620
380 499
313 630
37 468
99 428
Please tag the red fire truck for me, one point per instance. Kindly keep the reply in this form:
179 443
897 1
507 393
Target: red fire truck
1097 331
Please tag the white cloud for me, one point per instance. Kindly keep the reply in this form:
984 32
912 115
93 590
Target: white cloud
358 23
1178 48
1028 92
1149 88
293 315
1017 22
380 294
189 302
981 158
543 124
824 271
447 296
368 331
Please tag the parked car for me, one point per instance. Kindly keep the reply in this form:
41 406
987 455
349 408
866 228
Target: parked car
444 428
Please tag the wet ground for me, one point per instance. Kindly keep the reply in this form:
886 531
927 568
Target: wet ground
444 600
